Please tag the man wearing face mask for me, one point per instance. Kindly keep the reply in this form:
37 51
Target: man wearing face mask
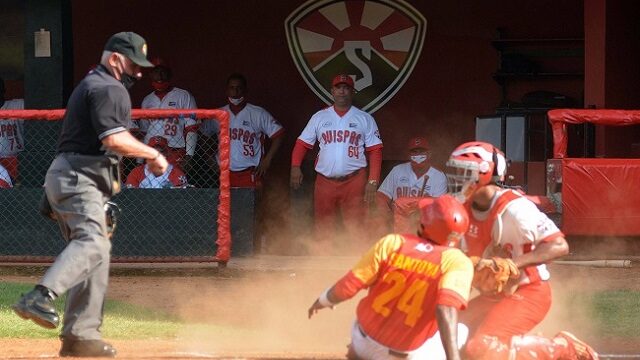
249 125
182 132
407 182
81 179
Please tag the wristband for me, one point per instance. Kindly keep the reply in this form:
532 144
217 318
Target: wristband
323 299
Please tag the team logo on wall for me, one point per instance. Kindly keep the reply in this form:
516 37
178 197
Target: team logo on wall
377 42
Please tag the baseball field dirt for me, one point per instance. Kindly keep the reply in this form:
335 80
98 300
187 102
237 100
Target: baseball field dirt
262 303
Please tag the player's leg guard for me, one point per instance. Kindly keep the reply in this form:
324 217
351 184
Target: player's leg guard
576 348
486 347
564 346
530 347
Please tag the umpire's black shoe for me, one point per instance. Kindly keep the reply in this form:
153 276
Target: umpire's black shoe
86 348
38 307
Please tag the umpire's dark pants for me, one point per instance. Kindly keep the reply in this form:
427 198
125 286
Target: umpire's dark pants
82 268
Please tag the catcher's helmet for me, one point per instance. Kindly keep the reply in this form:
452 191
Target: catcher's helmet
443 220
472 165
112 212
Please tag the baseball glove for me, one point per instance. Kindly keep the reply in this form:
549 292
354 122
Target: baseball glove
492 275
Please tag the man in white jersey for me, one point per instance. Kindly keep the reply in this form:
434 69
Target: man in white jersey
181 132
407 183
249 126
505 224
344 133
11 134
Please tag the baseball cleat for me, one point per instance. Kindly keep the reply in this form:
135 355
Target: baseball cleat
582 350
37 307
87 348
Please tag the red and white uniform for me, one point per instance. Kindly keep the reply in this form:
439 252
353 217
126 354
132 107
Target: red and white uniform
403 182
142 178
247 130
511 227
11 137
181 132
5 179
407 278
343 140
341 180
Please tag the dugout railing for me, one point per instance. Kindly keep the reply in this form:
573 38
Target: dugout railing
164 223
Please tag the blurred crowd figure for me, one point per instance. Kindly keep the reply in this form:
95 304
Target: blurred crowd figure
11 134
142 178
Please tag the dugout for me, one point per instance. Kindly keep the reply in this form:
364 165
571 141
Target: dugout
454 79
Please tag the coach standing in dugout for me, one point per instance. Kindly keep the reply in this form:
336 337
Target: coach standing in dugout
80 180
343 185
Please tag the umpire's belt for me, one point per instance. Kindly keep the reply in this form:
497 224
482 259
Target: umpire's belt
343 178
392 352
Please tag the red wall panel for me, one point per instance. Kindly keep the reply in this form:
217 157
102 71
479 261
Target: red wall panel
600 197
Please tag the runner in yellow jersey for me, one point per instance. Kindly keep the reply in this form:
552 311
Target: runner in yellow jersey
417 284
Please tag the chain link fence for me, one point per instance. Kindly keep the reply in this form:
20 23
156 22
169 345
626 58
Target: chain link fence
182 215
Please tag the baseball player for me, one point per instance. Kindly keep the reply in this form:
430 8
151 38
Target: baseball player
141 177
503 223
345 133
5 179
417 285
249 125
11 134
413 179
182 132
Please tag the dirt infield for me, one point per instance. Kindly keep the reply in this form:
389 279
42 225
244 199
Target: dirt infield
267 298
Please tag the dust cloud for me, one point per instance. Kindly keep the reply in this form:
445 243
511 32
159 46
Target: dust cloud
265 312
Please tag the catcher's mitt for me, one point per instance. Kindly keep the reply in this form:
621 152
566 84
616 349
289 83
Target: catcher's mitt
491 275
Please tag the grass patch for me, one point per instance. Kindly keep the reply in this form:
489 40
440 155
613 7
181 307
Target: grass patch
615 312
122 320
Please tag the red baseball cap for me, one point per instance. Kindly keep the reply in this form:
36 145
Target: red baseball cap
158 141
342 79
418 142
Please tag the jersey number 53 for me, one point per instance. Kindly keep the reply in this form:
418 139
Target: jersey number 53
411 296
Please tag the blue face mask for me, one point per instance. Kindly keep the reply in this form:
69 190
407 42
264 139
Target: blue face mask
419 159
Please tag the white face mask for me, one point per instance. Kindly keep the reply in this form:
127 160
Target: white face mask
418 159
236 102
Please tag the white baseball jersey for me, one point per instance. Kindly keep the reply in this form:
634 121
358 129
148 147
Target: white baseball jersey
11 130
4 176
403 182
248 129
172 129
520 228
343 140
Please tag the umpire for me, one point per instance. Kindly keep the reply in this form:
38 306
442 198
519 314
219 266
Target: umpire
81 179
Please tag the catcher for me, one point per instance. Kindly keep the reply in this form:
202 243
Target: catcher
509 240
417 285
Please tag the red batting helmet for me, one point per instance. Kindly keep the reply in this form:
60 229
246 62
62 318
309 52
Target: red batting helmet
443 220
472 165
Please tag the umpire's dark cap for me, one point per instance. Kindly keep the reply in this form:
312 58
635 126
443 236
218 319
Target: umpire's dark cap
130 45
